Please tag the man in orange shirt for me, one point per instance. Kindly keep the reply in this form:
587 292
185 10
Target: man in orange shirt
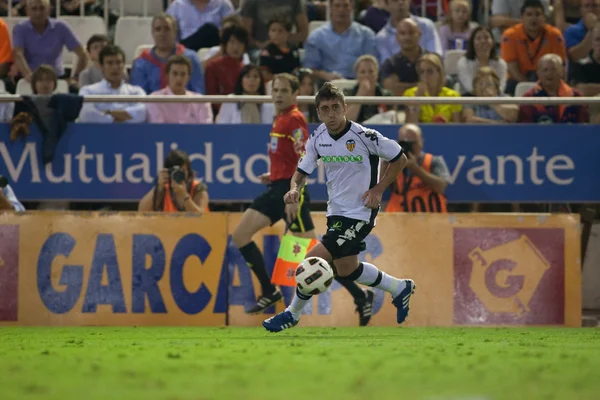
5 50
524 44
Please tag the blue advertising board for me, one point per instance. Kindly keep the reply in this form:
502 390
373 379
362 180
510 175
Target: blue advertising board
487 163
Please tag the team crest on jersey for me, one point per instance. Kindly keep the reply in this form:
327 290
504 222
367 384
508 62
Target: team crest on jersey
350 144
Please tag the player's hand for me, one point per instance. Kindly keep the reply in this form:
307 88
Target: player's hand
372 198
265 178
291 197
291 212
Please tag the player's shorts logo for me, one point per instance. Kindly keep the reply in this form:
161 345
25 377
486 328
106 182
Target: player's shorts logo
350 144
508 275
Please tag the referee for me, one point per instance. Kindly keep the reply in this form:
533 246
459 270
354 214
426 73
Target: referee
288 137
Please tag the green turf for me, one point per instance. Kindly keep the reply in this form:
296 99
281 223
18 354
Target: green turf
342 363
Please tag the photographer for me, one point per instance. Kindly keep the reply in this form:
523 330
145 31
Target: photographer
176 189
420 187
8 200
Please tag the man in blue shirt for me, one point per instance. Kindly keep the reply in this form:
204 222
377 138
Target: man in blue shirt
8 200
578 37
332 49
148 70
387 45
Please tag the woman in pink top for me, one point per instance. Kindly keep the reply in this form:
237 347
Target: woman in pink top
178 71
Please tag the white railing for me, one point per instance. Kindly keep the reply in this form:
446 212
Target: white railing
350 100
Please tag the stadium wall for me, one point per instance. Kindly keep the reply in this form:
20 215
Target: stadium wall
182 270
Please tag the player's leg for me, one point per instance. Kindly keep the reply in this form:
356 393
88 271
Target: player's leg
349 268
303 226
253 221
290 317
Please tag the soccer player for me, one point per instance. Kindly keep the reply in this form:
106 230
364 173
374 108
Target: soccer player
288 138
350 153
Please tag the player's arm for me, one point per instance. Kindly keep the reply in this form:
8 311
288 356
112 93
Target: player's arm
394 158
306 165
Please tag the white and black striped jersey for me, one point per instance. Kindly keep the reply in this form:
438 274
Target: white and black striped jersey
351 162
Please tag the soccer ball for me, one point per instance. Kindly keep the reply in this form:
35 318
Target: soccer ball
314 276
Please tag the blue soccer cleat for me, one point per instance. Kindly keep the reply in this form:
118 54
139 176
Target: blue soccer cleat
279 322
401 301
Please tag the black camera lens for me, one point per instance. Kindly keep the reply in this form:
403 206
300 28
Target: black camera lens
407 146
177 175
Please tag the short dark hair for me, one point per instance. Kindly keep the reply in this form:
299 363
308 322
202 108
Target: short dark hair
96 39
111 50
293 81
470 54
40 73
236 31
532 4
178 60
329 92
281 20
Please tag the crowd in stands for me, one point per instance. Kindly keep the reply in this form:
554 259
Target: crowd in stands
380 48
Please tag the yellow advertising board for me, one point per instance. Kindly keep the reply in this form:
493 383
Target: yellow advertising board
128 269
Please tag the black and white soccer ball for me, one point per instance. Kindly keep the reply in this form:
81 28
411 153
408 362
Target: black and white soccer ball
314 276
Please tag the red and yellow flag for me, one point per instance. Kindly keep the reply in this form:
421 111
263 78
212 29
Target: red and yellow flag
291 253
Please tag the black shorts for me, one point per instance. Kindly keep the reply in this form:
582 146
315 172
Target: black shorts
345 236
271 204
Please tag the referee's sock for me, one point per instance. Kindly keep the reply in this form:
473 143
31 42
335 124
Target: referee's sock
370 275
256 262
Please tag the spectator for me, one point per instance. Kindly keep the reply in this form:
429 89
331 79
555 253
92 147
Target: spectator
6 55
551 84
178 71
249 82
307 88
376 16
257 14
387 45
367 74
431 83
586 73
455 31
199 21
9 201
40 40
44 80
323 45
566 13
421 185
486 83
93 73
170 194
506 13
399 72
222 72
525 43
278 56
578 37
216 51
148 70
73 7
112 61
481 52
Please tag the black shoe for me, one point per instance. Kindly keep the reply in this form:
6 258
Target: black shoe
364 307
265 301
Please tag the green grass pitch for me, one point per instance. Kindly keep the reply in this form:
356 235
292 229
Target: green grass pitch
302 363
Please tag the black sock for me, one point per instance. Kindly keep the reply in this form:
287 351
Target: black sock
256 262
352 287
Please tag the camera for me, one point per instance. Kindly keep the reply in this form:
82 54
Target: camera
3 182
177 174
406 146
